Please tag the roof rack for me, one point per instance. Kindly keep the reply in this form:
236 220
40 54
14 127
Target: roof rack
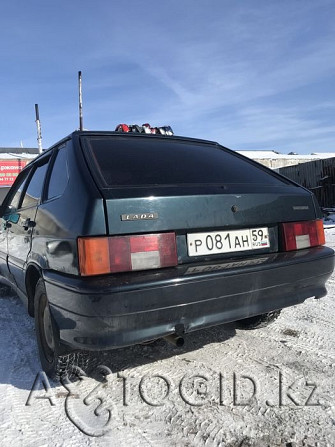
145 128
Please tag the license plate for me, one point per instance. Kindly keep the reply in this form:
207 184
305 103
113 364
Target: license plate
216 242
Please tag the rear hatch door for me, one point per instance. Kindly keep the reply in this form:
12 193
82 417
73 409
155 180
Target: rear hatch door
219 203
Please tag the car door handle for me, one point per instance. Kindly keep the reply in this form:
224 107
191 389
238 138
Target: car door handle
28 224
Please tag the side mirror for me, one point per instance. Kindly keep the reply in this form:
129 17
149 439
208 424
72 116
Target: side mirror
9 213
13 218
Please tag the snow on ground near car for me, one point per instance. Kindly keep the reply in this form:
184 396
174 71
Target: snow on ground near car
272 386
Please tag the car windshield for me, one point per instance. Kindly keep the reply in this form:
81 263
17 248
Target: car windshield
140 161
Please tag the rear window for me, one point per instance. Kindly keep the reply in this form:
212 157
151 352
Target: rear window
142 161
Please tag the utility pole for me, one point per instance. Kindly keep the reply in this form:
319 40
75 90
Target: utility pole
81 126
39 132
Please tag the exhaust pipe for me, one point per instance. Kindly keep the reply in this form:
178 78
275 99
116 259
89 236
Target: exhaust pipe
175 340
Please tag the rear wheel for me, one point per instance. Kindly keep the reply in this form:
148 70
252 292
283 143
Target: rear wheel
56 360
258 321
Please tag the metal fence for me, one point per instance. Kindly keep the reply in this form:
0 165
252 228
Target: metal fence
318 176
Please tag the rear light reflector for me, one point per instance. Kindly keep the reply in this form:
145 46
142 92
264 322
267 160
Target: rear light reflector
298 235
100 255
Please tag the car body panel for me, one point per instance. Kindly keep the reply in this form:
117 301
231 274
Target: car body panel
209 211
19 237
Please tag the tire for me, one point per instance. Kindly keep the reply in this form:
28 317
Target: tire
57 361
258 321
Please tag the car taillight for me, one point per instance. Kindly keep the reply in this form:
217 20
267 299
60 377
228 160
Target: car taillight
100 255
297 235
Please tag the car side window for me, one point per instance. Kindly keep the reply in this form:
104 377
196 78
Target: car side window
17 190
59 175
33 192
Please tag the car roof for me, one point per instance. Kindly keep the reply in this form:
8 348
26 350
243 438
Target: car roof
92 133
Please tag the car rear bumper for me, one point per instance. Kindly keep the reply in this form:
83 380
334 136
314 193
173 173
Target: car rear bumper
123 309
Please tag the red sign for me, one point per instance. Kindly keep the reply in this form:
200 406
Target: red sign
9 170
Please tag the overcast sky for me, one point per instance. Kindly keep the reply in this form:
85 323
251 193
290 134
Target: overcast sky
249 74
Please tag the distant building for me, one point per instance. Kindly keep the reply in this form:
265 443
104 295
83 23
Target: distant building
318 176
19 150
275 160
12 161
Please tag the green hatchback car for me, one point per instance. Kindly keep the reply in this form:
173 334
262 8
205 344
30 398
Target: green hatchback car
113 239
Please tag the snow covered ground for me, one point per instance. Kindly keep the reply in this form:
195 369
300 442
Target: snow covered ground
270 387
329 221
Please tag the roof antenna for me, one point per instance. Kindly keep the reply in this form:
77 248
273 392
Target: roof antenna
81 126
39 132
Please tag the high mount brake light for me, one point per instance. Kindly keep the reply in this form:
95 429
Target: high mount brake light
297 235
100 255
